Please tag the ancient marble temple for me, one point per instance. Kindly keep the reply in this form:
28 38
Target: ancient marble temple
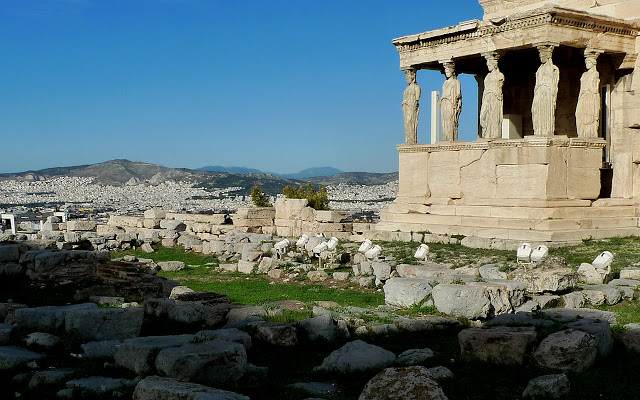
558 148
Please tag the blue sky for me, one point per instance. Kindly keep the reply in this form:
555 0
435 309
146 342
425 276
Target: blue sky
274 85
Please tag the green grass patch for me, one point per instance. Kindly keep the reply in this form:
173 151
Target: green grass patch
257 290
627 311
168 254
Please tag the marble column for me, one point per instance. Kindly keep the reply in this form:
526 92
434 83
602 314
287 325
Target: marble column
411 107
588 107
492 101
450 102
545 95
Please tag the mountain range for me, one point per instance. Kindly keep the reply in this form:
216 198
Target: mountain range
121 172
304 174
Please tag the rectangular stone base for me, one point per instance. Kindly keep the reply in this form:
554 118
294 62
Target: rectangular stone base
558 222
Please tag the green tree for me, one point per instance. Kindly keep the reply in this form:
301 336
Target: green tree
318 199
258 198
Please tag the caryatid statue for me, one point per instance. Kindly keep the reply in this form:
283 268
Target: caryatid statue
450 103
491 109
588 108
545 95
411 107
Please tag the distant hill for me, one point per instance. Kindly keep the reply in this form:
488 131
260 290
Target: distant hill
312 173
304 174
233 170
125 172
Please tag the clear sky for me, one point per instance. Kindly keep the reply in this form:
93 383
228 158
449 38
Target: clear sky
278 85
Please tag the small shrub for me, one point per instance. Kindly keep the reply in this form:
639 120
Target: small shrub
318 199
258 198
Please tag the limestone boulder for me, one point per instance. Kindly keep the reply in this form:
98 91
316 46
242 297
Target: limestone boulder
498 345
81 225
101 386
548 280
41 340
600 329
471 302
49 319
173 225
246 267
491 271
357 356
12 357
405 292
139 354
42 380
411 383
213 247
228 334
101 349
413 357
322 327
188 240
171 266
215 362
104 323
277 334
267 264
568 350
9 253
554 386
157 388
630 273
381 270
317 276
589 274
630 339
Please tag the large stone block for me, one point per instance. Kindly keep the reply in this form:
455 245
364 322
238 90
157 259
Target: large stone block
498 345
552 280
405 292
444 174
567 351
215 362
9 253
471 302
157 388
48 318
527 181
583 183
155 214
104 323
139 354
14 357
81 225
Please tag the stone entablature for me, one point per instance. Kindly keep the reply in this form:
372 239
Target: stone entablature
558 141
563 26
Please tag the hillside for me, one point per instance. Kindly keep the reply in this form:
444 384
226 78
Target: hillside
121 172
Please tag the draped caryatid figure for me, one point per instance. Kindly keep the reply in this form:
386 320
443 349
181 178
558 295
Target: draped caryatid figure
491 109
588 108
450 103
545 94
411 107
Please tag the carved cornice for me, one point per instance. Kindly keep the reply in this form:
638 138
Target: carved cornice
549 16
553 141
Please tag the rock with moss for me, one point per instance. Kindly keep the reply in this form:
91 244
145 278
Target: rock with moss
555 386
568 350
357 356
411 383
